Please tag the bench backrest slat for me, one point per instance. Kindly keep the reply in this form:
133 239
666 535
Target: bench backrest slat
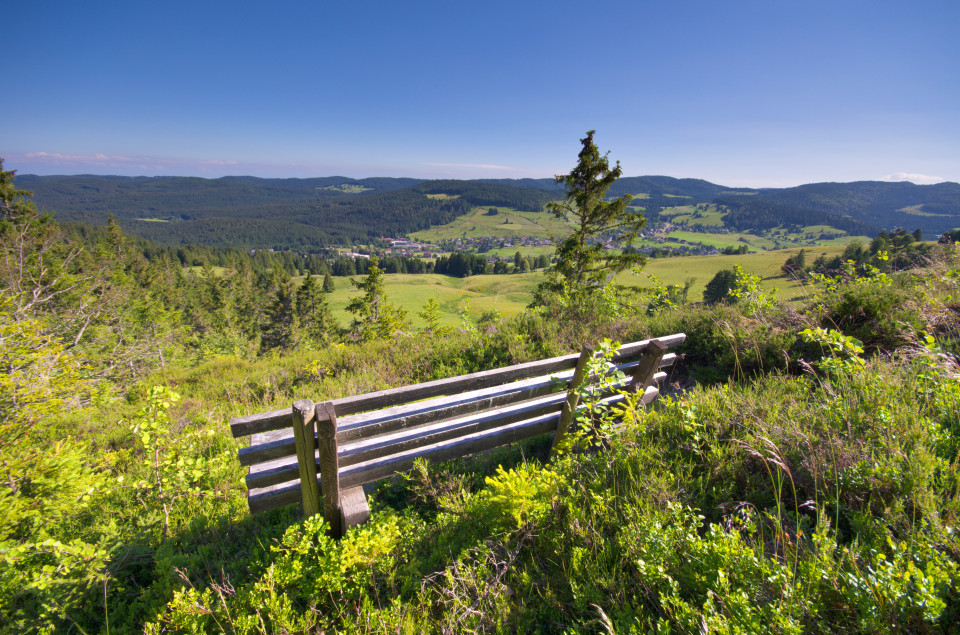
278 419
353 428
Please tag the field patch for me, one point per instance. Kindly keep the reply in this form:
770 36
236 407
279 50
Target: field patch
917 210
346 188
507 222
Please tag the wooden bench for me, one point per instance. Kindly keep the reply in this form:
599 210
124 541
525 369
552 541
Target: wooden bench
361 439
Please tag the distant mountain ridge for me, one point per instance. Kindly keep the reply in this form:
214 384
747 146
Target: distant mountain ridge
881 202
246 211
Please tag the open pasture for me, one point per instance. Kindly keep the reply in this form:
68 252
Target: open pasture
710 216
511 293
506 223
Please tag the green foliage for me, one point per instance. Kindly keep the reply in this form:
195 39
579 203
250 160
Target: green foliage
746 288
719 287
880 310
175 467
281 321
375 318
313 582
751 502
795 265
666 296
313 314
431 315
39 374
48 562
522 495
844 352
600 380
14 204
736 285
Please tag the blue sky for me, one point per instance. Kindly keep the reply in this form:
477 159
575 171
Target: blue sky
738 92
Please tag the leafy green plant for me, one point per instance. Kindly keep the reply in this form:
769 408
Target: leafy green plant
746 288
176 465
665 296
524 494
842 353
374 316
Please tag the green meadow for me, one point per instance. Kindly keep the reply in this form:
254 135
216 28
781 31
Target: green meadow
511 293
709 216
346 188
506 223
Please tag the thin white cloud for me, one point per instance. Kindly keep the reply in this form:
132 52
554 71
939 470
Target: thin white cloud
477 166
109 160
919 179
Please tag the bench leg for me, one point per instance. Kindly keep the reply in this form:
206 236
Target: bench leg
648 366
353 508
573 399
303 435
329 466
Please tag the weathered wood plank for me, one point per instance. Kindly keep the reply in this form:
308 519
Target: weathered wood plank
262 422
274 479
260 452
303 434
359 426
289 493
251 424
329 467
371 471
483 379
401 441
263 500
425 412
384 445
644 373
573 397
353 508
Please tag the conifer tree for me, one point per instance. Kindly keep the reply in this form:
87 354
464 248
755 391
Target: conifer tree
375 318
431 315
589 255
328 285
280 328
312 311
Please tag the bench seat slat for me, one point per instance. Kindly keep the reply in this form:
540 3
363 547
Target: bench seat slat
385 444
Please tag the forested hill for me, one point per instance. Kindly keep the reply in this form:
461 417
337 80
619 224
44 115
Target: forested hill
306 214
932 208
280 213
856 207
76 196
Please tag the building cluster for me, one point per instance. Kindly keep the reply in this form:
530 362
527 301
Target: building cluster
409 249
486 243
